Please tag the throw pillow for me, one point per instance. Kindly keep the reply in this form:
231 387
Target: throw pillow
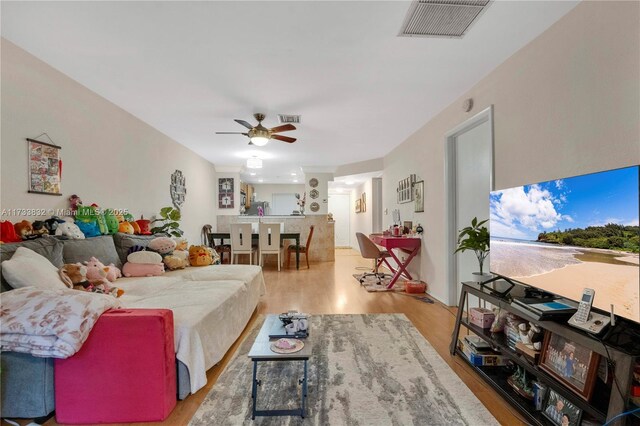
28 268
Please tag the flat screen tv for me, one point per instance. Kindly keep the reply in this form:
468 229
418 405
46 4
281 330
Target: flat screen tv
564 235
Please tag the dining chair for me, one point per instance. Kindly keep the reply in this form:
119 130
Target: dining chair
369 250
241 241
221 248
269 242
303 249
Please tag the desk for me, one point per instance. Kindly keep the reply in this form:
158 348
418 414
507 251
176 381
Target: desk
410 245
283 236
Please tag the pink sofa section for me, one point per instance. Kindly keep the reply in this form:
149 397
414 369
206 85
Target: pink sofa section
125 371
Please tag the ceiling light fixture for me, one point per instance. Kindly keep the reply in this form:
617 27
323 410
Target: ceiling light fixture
260 180
293 174
252 173
254 163
295 181
348 182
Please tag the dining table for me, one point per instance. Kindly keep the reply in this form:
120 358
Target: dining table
255 237
409 245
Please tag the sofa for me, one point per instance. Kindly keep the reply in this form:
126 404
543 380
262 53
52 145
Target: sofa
211 307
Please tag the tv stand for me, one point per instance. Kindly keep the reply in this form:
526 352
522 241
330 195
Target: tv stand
606 402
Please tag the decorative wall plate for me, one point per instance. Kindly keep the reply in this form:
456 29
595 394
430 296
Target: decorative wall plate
313 182
314 193
315 207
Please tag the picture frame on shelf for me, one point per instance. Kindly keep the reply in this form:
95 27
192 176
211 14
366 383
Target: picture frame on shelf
560 411
418 196
570 363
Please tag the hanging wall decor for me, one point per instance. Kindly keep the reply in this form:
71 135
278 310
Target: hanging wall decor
405 189
418 196
177 189
225 193
45 168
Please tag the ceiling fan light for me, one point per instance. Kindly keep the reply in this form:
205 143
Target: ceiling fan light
254 163
259 140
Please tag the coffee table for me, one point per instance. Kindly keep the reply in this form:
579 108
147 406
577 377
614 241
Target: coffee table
261 352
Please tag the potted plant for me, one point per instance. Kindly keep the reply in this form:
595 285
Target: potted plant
475 238
169 222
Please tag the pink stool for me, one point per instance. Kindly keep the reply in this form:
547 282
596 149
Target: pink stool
124 372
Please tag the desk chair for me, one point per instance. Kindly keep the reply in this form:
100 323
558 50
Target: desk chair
269 242
241 241
369 250
303 250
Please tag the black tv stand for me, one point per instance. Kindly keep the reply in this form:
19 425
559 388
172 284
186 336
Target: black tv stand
620 347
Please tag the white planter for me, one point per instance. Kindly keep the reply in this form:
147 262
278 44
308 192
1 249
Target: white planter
478 277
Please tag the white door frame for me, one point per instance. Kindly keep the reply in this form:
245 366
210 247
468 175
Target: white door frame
482 117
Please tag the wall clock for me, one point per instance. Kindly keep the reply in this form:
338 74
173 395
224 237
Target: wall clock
314 193
313 182
315 207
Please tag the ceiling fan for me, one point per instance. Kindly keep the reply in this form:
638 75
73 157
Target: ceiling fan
260 135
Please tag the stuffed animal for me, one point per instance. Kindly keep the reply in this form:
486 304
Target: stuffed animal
8 232
69 230
74 201
135 248
181 244
111 221
215 257
86 214
128 217
145 226
89 229
200 256
74 275
119 216
24 230
102 222
39 229
149 257
113 272
125 228
176 261
162 245
52 224
142 269
136 227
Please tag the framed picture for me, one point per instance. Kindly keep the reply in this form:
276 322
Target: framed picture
45 168
363 202
225 193
560 411
358 205
570 363
405 189
418 196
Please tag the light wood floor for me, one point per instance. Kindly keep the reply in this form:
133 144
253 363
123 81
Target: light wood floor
329 288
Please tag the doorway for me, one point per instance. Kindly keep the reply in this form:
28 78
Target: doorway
339 205
469 176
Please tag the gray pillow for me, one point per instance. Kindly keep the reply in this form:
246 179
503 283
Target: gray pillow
49 247
124 242
102 248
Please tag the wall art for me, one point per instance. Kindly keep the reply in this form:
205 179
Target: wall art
45 168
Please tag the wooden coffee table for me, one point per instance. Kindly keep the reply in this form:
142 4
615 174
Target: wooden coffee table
261 352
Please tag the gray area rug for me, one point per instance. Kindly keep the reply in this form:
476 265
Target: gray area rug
365 370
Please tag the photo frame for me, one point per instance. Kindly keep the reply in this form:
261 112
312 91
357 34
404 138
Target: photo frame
405 189
45 168
418 196
358 205
556 407
225 193
363 202
570 363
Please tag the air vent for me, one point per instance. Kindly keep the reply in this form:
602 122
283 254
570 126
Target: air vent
287 118
441 18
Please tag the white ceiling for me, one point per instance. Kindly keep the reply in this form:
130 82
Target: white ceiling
190 68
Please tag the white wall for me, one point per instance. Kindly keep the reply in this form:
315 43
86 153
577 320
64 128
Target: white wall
265 191
109 156
361 222
566 104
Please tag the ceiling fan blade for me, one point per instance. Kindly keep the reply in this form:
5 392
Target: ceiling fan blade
283 128
283 138
244 123
232 133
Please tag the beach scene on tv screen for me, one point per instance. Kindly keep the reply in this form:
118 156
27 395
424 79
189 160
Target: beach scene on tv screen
569 234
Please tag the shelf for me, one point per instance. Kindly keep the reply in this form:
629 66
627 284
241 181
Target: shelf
498 340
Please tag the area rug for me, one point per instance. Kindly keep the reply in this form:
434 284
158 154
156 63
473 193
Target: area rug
371 283
365 370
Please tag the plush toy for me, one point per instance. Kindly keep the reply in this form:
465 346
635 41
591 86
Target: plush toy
86 214
119 216
149 257
162 245
8 232
125 228
102 221
136 227
52 224
89 229
113 272
111 221
181 243
39 229
135 248
74 275
145 226
74 201
215 257
176 261
200 256
128 217
69 230
24 230
142 269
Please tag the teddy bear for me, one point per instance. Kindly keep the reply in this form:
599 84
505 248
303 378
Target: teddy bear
200 256
69 230
113 272
74 275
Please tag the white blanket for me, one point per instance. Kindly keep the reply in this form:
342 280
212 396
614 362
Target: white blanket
49 323
211 306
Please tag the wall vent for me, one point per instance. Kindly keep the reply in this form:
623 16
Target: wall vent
289 118
441 18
